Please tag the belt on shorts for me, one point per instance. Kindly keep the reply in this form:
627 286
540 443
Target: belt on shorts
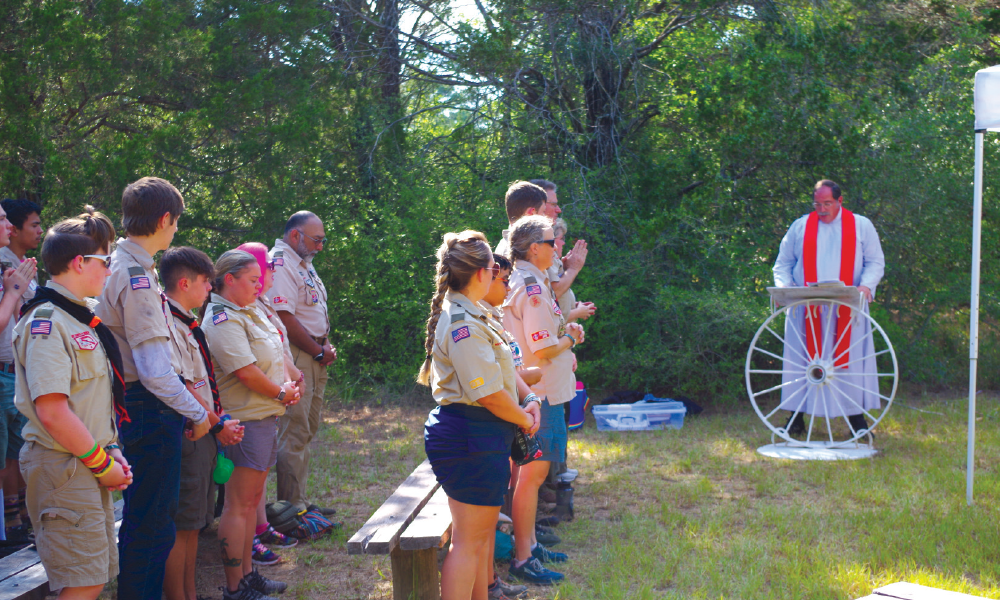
6 367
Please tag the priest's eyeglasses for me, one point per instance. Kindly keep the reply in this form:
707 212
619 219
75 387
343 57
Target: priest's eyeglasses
825 205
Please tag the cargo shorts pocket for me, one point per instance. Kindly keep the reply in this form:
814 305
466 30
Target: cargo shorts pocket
55 537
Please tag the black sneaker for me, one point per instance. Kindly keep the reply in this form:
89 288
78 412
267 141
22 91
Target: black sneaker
532 571
264 585
243 592
323 510
545 535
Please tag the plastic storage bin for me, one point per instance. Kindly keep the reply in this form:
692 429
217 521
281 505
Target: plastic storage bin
641 416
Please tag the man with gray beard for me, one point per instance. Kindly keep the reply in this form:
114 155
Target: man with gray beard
299 298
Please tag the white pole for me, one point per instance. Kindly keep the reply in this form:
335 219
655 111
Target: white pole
977 230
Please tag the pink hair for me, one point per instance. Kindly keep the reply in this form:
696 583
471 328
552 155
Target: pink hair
258 251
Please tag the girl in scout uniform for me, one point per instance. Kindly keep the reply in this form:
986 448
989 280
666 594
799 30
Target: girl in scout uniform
532 315
72 418
470 370
265 534
248 358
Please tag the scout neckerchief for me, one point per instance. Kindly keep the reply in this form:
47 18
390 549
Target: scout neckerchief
199 336
814 329
108 342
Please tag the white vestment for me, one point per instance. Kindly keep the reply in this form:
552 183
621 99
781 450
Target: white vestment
847 395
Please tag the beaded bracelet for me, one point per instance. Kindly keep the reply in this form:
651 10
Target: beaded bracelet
531 398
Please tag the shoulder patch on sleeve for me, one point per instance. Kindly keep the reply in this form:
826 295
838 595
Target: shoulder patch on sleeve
217 308
477 383
456 317
134 271
279 300
533 289
41 327
460 334
220 317
278 256
530 279
44 312
140 283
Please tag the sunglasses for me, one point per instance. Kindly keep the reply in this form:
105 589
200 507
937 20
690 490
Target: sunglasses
495 270
105 258
551 242
270 265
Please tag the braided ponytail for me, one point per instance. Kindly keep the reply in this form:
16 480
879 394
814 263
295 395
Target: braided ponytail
459 257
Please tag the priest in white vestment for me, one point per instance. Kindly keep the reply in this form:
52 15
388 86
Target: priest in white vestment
813 250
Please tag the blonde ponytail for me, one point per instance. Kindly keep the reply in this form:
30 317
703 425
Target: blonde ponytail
459 257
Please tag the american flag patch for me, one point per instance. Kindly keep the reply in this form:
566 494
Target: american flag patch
219 318
41 327
279 262
533 289
140 283
460 334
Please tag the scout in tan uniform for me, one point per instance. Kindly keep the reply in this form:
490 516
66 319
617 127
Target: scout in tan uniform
470 369
250 370
15 286
532 315
71 419
265 534
135 309
300 299
187 275
522 198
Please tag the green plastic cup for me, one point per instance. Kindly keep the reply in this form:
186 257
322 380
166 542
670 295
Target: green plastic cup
223 469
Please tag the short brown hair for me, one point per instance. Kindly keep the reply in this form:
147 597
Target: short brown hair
545 184
522 195
145 201
88 233
834 188
184 261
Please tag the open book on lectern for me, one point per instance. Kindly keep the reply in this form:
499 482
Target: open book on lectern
823 290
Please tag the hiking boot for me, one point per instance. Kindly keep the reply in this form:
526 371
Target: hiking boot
271 537
546 536
264 585
547 556
550 521
546 494
502 589
323 510
262 555
532 571
243 592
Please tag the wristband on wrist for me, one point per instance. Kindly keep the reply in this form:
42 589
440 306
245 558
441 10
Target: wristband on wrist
101 472
220 425
531 398
572 340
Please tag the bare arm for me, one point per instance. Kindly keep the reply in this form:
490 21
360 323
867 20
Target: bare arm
574 330
255 379
529 376
503 406
69 432
15 283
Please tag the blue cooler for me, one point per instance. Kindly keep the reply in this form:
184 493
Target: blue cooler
578 407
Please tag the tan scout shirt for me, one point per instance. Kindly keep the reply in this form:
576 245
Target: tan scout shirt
239 337
56 354
535 320
470 360
7 256
188 355
494 315
264 306
298 290
133 305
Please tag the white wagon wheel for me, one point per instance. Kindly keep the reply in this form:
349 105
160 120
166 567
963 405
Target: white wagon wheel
815 380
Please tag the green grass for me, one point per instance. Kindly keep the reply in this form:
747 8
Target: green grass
697 512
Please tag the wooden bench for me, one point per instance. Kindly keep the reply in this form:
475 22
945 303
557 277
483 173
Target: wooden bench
411 526
903 590
22 576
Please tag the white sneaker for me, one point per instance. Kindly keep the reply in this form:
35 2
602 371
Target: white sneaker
566 477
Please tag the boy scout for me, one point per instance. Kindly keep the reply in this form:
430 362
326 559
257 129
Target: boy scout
17 277
71 418
136 311
523 198
299 297
186 274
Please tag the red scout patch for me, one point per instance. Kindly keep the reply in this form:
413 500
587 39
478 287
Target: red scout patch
279 300
85 340
540 335
536 301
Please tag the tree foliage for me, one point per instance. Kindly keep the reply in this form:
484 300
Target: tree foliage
685 136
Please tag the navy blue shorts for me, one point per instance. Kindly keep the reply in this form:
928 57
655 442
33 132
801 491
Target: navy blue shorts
552 434
469 450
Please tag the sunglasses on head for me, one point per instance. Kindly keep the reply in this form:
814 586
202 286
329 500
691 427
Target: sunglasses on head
105 258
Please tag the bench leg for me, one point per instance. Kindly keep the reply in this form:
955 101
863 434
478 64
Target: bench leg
415 574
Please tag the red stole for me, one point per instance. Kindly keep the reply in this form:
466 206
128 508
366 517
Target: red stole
814 328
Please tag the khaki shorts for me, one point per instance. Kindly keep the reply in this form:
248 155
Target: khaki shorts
73 517
196 505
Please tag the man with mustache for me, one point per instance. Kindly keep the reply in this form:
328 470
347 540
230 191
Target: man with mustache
829 244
